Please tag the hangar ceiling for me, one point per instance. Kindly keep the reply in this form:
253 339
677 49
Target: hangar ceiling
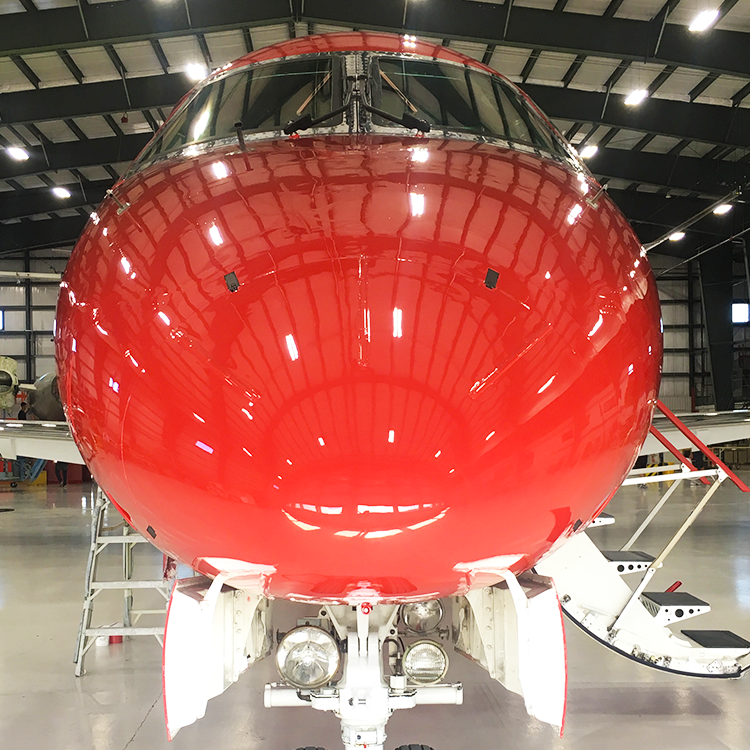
84 84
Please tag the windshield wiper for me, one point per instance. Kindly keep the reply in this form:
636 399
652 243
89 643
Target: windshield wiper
406 120
308 121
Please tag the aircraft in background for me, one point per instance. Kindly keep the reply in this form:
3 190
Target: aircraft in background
359 329
42 396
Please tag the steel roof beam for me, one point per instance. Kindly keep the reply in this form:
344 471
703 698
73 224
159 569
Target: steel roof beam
43 201
75 155
707 176
107 23
685 173
102 97
696 122
40 234
652 213
700 122
535 28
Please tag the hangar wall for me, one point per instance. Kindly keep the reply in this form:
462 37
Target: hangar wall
28 312
686 381
28 317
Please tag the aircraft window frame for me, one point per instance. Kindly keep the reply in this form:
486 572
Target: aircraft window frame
213 89
548 140
552 145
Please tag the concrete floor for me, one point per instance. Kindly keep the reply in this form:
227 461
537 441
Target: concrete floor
613 704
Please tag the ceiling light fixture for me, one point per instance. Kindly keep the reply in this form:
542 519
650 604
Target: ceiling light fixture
588 151
724 208
18 154
196 71
676 236
636 97
61 192
704 20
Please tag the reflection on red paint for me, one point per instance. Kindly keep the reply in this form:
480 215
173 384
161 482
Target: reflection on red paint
469 413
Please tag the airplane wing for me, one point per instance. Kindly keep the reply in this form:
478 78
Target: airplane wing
711 428
49 440
53 441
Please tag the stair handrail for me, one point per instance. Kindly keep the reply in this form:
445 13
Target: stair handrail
693 438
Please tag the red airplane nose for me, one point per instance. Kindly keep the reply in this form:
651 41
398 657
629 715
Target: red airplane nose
359 365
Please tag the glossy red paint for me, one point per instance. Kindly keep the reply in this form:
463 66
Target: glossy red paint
364 414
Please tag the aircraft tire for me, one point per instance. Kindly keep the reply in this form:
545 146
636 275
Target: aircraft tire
413 747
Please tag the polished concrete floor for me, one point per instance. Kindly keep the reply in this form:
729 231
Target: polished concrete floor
613 703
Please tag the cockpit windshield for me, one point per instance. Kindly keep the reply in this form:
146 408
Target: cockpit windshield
380 92
259 98
457 98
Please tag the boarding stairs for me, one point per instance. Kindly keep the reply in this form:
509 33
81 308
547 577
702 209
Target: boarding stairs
128 539
633 621
15 470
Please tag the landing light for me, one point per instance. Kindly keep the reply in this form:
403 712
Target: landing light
425 662
422 617
307 657
704 20
636 97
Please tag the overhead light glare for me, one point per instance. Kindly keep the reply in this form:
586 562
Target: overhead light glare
19 154
220 170
724 208
215 235
588 151
201 124
704 20
574 213
676 236
398 316
291 346
636 97
196 71
61 192
740 312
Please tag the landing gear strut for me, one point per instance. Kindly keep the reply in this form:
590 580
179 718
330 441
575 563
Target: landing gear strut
364 698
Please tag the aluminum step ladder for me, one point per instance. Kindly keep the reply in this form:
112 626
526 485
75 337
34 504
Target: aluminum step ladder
128 539
635 622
